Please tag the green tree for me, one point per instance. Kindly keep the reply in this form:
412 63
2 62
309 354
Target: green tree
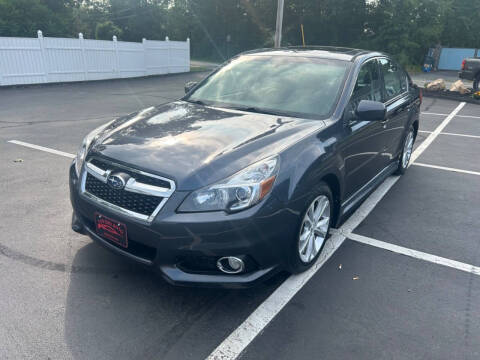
140 19
405 28
326 22
87 14
25 17
106 30
462 24
219 29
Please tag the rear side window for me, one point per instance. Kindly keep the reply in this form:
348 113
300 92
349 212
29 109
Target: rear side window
395 79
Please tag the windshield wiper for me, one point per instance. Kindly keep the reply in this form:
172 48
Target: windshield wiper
199 102
258 110
252 109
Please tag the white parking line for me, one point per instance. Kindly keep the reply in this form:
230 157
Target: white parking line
447 168
461 116
436 114
464 135
234 344
435 133
414 253
452 134
242 336
42 148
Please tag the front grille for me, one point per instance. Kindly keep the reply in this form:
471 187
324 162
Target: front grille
104 165
139 203
141 197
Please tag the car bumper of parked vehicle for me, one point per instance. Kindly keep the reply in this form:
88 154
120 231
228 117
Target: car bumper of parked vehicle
466 75
185 247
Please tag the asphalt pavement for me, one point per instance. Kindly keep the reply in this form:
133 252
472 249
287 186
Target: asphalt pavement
64 297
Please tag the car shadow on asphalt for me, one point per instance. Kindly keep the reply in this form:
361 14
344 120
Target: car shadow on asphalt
119 310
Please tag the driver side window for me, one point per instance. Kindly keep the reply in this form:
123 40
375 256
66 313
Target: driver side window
367 87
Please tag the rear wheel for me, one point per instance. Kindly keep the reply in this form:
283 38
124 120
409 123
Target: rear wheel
406 151
313 232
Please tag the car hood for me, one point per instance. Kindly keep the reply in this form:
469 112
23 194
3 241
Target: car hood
197 145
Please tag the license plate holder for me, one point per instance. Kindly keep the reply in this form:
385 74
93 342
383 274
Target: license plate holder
111 230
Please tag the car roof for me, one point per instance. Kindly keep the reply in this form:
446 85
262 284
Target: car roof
325 52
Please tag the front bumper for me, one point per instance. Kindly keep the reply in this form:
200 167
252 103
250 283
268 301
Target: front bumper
184 248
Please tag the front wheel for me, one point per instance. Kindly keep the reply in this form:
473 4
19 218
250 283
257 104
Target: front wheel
406 151
313 231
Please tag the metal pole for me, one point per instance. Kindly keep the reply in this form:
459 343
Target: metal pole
278 30
303 35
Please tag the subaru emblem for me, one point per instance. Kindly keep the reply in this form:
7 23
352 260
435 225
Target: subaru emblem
116 182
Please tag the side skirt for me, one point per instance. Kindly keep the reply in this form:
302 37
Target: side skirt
354 200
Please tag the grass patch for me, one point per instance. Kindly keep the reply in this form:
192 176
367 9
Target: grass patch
413 69
200 68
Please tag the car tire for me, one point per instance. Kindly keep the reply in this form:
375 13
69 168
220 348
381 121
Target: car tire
407 149
313 230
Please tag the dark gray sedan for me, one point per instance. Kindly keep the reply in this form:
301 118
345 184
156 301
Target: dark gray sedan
245 175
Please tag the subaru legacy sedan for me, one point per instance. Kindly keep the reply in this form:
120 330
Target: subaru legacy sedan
245 175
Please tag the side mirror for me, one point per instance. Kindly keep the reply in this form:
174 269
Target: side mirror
189 86
371 110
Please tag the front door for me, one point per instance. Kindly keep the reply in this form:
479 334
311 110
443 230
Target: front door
364 140
398 103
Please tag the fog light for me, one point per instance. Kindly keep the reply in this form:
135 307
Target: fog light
230 265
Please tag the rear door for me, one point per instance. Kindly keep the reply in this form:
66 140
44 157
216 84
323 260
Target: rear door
362 151
398 103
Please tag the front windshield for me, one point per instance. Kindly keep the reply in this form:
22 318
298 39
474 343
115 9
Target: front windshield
297 86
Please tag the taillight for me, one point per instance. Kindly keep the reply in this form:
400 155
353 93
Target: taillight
420 95
463 64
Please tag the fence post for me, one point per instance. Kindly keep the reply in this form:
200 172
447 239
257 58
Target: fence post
82 47
42 52
144 43
188 55
168 53
116 60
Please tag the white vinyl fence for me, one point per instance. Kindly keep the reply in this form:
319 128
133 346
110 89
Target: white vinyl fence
46 59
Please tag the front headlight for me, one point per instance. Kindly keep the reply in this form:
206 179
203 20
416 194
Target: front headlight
240 191
86 143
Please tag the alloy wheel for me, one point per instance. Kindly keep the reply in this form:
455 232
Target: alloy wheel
407 149
313 231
